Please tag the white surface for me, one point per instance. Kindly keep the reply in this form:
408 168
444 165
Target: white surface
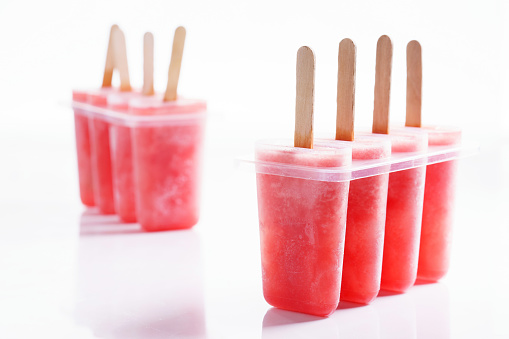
67 274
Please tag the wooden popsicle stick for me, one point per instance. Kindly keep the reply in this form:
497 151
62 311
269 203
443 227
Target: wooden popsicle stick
175 63
382 85
148 64
346 91
413 84
305 98
120 54
110 59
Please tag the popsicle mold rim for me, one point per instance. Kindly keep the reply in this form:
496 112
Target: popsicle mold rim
130 120
359 168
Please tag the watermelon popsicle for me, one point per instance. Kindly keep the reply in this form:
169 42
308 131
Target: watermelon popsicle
302 229
367 200
100 151
82 130
99 129
167 150
364 242
120 140
437 218
404 215
83 151
121 159
406 187
302 216
438 209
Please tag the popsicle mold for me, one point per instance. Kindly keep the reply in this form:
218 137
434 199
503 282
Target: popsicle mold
101 156
367 202
122 159
404 215
83 152
438 210
302 228
167 162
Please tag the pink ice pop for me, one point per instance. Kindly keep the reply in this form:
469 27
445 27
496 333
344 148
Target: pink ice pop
101 157
167 152
438 209
404 216
121 159
302 211
302 229
406 187
367 202
367 199
92 135
440 178
83 150
99 130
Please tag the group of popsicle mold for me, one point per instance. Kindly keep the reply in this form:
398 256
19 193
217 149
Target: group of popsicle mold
138 152
325 240
330 229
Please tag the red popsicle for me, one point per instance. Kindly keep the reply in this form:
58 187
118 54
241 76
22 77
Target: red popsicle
100 134
101 159
406 188
367 200
437 216
302 220
83 150
121 159
120 139
302 230
437 219
167 152
167 161
404 216
81 121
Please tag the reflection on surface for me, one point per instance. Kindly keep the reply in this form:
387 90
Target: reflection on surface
422 312
432 305
357 321
133 284
397 315
285 324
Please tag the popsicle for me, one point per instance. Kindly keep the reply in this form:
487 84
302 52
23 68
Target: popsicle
99 130
406 188
302 221
404 216
367 199
81 123
83 151
167 153
120 139
436 233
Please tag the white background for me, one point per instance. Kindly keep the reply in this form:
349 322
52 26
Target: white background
66 273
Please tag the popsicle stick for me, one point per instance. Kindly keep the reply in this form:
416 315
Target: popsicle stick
382 85
110 59
148 64
413 84
305 98
120 55
175 63
346 91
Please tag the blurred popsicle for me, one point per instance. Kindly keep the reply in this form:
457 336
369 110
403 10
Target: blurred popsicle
81 122
120 138
99 130
302 221
167 154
